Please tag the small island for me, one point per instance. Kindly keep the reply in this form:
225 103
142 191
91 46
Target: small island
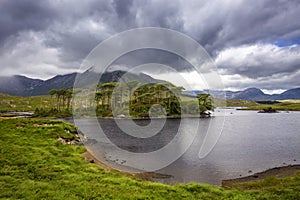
268 110
131 99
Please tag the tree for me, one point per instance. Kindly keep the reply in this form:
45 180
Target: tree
205 104
104 94
69 94
61 97
52 92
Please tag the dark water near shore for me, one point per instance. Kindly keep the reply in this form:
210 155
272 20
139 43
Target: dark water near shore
250 142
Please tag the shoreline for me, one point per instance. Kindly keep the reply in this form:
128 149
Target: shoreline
278 172
144 118
148 176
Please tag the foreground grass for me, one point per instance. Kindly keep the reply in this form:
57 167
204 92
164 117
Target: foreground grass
35 165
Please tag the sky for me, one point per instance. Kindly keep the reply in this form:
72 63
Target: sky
253 43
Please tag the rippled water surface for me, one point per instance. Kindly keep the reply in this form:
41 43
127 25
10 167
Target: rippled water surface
250 142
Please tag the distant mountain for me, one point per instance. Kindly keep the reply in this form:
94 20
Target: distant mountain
24 86
289 94
254 94
18 85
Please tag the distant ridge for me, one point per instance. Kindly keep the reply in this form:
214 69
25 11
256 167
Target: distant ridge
253 94
24 86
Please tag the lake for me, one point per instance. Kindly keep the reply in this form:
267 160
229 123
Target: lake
249 142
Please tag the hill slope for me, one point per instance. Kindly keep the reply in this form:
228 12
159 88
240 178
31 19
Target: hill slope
24 86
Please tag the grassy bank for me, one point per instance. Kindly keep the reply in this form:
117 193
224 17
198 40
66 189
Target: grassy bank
35 165
17 103
285 106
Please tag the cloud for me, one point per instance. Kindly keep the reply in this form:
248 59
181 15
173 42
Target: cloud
27 54
54 36
282 82
259 60
264 66
222 24
18 16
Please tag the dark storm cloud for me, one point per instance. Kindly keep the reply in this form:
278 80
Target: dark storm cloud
122 8
67 31
17 16
144 56
218 25
166 14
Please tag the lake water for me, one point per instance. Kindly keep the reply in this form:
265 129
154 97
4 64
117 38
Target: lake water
249 142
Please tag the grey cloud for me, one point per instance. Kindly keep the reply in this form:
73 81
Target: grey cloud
17 16
166 14
73 28
259 61
123 8
144 56
282 81
218 25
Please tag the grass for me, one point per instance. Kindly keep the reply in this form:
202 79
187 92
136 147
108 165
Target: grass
286 105
273 188
17 103
240 103
35 165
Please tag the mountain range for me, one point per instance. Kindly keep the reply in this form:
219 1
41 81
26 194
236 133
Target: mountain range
253 94
24 86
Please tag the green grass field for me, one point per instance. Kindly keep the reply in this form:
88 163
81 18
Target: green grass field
17 103
35 165
288 106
